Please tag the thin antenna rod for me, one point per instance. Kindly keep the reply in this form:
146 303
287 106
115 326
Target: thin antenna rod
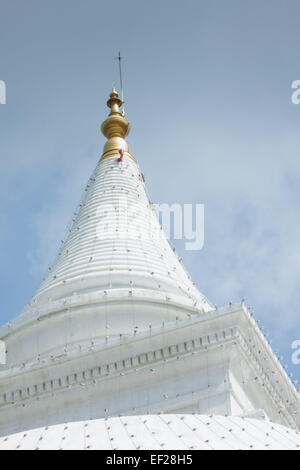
121 83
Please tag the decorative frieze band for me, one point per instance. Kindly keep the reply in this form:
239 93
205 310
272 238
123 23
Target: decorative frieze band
121 366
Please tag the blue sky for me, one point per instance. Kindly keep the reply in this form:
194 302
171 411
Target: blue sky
208 94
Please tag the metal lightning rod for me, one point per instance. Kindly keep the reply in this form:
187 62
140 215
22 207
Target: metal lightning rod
119 58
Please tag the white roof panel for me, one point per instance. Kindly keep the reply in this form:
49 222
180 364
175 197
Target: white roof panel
166 432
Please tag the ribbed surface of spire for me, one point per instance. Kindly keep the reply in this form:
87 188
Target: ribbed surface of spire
116 270
116 241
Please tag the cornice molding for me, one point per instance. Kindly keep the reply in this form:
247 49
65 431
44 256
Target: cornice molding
127 365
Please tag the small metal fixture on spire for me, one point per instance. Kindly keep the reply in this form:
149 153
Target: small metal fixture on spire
119 58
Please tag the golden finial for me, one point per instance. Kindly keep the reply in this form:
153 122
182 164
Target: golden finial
115 128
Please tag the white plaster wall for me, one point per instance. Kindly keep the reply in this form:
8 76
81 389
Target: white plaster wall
186 365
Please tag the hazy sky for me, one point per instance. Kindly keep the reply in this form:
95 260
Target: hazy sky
208 94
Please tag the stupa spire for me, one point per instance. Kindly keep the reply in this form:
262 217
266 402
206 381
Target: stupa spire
115 128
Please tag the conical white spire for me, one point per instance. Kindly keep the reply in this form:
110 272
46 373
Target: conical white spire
118 328
116 267
116 242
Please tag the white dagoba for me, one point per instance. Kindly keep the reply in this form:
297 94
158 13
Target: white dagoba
118 329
